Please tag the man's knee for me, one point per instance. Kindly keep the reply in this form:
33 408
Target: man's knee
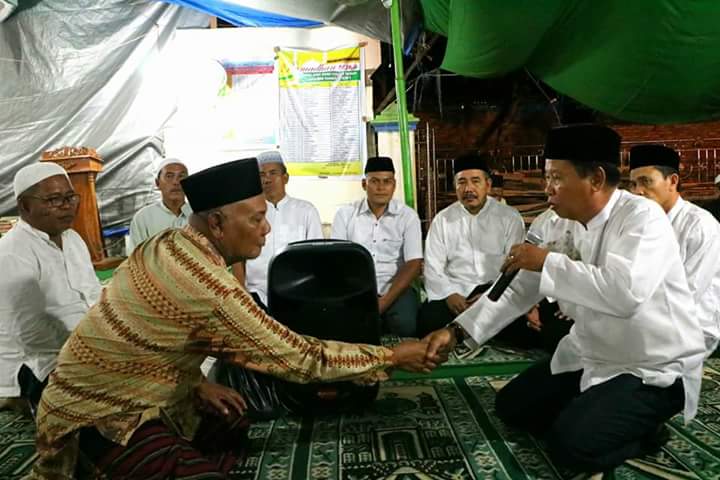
569 447
401 318
510 408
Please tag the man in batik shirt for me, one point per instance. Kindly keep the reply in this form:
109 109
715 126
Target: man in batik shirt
128 391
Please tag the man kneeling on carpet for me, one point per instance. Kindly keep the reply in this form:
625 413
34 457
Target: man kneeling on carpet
634 356
128 392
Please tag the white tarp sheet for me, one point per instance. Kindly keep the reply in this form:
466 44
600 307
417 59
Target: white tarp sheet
89 73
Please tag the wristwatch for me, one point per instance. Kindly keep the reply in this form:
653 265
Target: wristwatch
458 331
461 336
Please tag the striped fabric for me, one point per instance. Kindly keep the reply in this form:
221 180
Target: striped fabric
136 355
156 452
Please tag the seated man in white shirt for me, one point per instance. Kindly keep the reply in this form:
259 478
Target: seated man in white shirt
47 281
290 219
634 356
466 245
171 211
390 231
654 174
713 206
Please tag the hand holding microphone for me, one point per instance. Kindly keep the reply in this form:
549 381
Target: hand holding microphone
527 256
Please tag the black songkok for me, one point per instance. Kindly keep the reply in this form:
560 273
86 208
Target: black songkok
654 156
583 143
223 184
379 164
472 161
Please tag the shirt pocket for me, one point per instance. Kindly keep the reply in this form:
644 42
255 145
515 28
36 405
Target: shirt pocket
389 250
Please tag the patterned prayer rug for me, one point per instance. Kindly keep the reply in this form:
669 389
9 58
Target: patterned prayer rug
446 429
426 428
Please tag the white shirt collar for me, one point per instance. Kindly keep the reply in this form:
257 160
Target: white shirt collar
393 207
676 208
599 220
283 201
482 211
185 209
38 233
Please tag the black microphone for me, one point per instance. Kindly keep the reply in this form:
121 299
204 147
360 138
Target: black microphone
505 278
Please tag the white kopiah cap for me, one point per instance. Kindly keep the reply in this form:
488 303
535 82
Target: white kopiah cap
169 161
271 156
33 174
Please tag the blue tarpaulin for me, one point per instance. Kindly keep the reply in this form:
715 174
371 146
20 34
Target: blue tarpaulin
242 16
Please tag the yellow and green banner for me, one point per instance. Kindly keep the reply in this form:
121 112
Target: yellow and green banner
322 132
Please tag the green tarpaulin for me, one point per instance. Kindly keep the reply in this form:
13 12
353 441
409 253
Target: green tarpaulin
650 61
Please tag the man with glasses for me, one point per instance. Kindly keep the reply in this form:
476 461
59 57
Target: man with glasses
466 244
47 282
290 219
170 212
390 231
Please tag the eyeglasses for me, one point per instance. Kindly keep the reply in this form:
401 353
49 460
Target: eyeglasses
57 201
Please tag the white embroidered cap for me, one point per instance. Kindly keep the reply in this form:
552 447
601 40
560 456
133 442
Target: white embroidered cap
169 161
33 174
271 156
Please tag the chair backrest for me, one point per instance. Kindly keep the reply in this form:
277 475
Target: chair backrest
326 289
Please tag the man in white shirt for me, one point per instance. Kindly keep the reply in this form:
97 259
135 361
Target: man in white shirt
466 245
634 356
290 219
171 211
654 174
390 231
713 206
48 281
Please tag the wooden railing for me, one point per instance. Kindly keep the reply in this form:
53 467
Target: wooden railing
521 168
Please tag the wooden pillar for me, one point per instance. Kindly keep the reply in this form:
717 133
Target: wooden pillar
83 165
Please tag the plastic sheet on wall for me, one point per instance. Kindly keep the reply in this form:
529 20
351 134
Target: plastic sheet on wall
369 17
78 76
241 16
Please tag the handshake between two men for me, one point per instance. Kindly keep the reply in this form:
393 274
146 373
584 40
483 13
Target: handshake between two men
423 356
438 344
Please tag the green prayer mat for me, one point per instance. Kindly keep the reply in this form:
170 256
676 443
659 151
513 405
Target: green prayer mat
445 428
426 428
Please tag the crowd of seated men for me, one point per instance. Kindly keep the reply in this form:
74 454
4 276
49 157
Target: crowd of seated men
623 291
